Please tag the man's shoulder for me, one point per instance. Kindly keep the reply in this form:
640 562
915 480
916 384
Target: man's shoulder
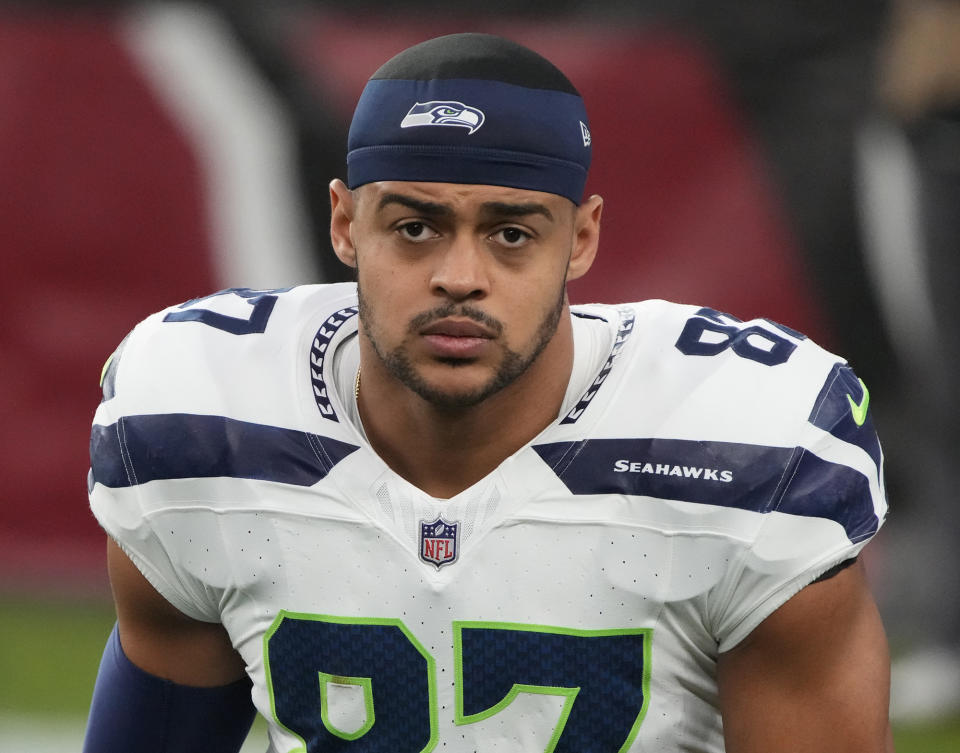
246 311
237 317
745 416
225 340
699 339
695 370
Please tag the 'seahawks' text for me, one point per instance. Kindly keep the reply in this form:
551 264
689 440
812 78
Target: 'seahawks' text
665 469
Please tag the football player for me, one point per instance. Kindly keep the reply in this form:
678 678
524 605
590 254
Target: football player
442 509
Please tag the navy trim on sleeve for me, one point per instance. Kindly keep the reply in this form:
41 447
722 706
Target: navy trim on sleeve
135 710
726 474
138 449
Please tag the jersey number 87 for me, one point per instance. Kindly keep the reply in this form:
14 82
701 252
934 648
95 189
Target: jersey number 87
603 675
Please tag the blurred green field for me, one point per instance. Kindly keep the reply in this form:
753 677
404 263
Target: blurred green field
49 652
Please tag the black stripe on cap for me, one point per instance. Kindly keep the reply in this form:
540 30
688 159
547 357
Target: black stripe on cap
475 56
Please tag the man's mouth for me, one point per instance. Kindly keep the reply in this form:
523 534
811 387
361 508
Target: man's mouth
457 328
456 338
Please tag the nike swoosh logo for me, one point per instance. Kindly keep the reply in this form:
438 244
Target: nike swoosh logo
106 365
859 410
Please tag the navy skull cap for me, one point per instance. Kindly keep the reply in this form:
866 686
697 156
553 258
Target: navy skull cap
471 108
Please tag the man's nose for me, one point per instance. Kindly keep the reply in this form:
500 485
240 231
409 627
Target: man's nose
461 272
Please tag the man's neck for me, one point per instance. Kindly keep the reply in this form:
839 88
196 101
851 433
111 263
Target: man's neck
444 451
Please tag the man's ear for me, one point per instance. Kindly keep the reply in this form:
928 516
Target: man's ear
341 220
586 237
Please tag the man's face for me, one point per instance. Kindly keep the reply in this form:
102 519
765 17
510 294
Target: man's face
461 286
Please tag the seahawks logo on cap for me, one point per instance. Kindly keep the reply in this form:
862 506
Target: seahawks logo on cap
443 114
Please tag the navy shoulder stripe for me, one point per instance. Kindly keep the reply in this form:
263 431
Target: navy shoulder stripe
726 474
843 409
138 449
108 378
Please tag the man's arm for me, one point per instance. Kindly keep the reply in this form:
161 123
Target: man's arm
160 639
814 677
167 683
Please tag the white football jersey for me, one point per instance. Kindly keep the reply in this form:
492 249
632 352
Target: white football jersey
702 471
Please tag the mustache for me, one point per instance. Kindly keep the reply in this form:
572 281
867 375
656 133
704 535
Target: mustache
461 310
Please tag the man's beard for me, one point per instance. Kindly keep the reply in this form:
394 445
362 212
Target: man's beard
511 367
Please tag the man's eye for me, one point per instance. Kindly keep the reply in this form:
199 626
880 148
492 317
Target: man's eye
511 236
415 231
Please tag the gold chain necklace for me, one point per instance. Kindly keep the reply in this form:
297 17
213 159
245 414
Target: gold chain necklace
356 385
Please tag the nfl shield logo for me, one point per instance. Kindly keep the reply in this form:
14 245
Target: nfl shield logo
438 542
